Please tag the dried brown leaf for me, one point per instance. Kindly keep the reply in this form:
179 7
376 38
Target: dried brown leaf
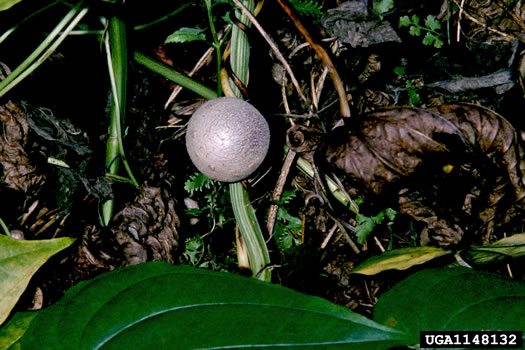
456 168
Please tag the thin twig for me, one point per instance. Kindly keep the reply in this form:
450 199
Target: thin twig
378 243
329 236
321 52
459 20
277 192
200 63
273 46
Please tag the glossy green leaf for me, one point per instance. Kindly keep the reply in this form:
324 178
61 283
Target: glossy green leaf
509 247
161 306
453 299
399 259
19 260
6 4
14 328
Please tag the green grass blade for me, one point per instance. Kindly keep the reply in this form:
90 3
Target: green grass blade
48 45
175 76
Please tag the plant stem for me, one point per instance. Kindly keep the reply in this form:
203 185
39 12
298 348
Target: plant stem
216 45
175 76
163 18
244 213
116 50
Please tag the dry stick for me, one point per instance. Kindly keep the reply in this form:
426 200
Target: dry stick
459 20
274 48
177 89
285 170
329 236
200 63
378 243
285 99
279 186
321 52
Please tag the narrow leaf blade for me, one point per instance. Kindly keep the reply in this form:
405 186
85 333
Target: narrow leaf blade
399 259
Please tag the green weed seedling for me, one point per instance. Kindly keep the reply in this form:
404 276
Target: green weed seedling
430 28
287 227
413 95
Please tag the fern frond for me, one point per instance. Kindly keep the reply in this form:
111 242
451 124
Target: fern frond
307 8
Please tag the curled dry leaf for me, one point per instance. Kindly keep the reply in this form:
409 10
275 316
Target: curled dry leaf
18 172
456 168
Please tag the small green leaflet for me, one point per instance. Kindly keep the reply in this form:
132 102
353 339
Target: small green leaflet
197 182
431 27
383 6
432 23
432 39
404 21
366 224
185 34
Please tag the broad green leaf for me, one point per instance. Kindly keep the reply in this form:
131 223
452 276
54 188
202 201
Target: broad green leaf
453 299
14 328
19 260
513 246
399 259
6 4
161 306
186 34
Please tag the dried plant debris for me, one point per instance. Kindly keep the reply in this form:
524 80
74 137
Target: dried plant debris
501 81
18 171
455 168
351 24
147 228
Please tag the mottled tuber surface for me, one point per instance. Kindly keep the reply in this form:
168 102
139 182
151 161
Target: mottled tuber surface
456 168
227 139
